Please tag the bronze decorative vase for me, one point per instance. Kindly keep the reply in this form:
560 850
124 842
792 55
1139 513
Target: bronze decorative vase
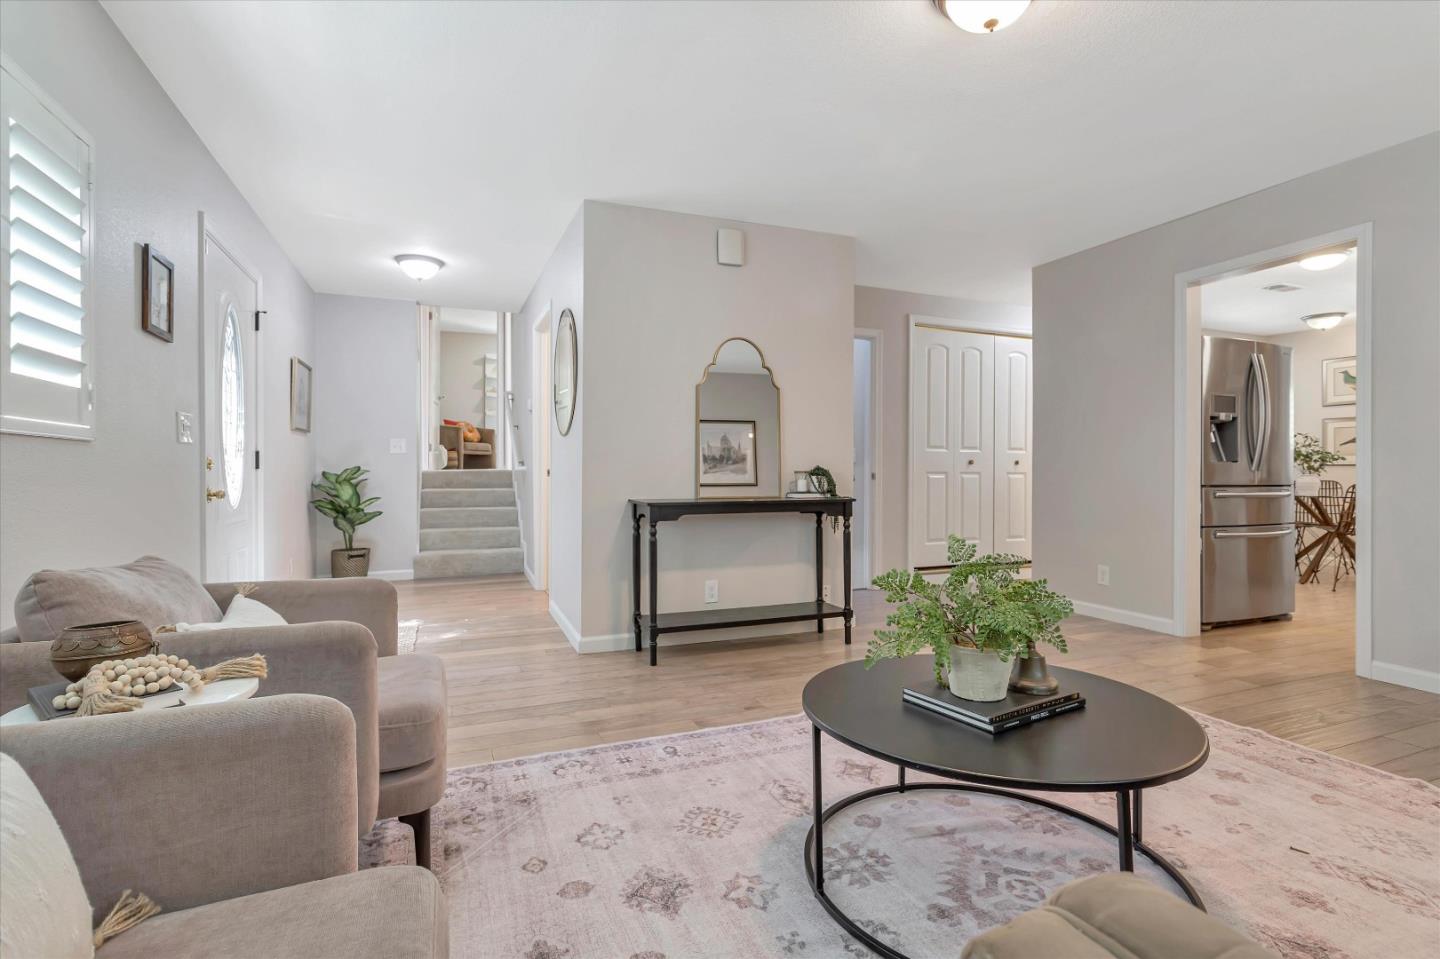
80 647
1030 675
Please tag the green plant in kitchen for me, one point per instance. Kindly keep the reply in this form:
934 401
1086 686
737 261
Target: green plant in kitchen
983 606
340 500
1311 456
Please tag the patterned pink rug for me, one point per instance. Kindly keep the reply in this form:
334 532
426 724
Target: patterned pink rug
689 847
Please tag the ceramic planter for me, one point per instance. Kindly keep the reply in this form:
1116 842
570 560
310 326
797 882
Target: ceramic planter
350 562
978 675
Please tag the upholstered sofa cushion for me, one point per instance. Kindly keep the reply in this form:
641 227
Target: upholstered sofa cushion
394 911
1117 915
43 907
152 590
411 693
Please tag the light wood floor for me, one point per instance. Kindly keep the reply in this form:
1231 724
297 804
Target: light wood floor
517 688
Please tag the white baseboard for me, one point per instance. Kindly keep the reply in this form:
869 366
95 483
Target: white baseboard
1127 617
1405 676
530 575
620 642
394 575
571 633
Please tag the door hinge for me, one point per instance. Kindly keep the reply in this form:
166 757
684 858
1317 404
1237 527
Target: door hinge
257 459
257 319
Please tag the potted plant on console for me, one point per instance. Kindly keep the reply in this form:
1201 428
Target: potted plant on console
340 500
983 616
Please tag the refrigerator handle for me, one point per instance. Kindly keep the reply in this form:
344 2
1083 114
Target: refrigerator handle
1252 412
1267 412
1259 534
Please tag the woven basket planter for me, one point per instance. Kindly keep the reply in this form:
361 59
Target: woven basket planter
350 562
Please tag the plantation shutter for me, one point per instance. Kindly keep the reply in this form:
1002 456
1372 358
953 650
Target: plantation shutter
46 330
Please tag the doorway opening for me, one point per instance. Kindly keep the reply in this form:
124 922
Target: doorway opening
865 478
541 403
230 373
1294 531
461 372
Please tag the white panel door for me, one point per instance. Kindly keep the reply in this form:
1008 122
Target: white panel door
951 439
1014 439
231 372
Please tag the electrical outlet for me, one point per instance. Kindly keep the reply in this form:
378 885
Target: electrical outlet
397 446
712 591
1102 575
825 592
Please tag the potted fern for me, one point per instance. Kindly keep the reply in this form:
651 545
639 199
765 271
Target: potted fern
340 500
983 616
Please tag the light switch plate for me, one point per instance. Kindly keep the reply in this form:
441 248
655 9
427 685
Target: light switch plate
397 446
730 247
184 427
712 591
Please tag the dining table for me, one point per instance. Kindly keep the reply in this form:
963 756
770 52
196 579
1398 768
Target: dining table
1332 529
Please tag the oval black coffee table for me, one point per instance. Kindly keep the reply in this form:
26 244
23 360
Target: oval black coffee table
1123 741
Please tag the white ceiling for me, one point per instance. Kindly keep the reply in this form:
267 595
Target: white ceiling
1241 304
454 320
472 131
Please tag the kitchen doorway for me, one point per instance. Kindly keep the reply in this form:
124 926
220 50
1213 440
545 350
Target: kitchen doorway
865 475
1303 301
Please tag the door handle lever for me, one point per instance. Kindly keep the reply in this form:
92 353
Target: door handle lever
211 495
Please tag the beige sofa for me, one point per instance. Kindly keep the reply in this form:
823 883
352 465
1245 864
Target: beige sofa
340 642
1116 915
239 820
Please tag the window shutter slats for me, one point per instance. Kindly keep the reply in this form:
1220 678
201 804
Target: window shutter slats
25 237
24 298
56 167
38 184
28 361
25 268
37 334
26 206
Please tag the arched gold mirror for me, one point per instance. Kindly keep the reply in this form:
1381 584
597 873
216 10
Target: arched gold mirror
737 425
565 374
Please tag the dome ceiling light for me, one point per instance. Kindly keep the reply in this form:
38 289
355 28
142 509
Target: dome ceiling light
419 267
982 16
1323 261
1323 321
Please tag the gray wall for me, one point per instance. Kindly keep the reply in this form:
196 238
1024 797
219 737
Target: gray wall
889 312
134 489
1104 330
367 392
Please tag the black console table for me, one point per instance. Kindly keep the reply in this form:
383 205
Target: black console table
658 511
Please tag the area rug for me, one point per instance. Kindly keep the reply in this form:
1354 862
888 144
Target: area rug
689 847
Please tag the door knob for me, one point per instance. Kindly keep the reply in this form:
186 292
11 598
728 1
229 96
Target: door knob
1017 462
209 464
970 463
211 495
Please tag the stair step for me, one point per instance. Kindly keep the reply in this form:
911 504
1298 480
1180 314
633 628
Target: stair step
465 479
484 537
467 496
450 517
449 563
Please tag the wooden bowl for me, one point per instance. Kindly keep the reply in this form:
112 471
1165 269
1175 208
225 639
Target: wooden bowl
80 647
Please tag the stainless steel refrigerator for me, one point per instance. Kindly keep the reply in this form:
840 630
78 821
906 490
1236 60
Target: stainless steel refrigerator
1247 500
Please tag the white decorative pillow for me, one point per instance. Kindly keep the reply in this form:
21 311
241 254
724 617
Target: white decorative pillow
43 907
244 612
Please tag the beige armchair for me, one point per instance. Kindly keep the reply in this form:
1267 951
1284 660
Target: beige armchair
256 804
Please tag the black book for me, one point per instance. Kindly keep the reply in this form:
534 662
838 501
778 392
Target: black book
931 705
41 700
1013 706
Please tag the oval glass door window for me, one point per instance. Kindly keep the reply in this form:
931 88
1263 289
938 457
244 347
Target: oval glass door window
232 408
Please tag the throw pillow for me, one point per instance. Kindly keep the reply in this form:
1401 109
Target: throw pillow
243 613
150 590
43 907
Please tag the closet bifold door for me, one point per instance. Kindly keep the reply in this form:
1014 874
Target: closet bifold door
952 430
1014 439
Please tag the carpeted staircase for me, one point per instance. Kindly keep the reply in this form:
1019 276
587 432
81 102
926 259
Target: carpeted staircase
469 525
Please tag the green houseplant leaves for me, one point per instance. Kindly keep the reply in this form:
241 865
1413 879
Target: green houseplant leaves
982 604
340 500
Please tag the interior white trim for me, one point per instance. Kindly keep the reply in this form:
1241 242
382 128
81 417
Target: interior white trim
876 532
1403 675
572 635
1186 588
391 575
211 233
1126 617
538 565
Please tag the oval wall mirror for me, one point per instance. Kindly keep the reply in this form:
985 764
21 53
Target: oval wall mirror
565 372
737 425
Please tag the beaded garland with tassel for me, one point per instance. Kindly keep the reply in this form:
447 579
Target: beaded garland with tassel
115 686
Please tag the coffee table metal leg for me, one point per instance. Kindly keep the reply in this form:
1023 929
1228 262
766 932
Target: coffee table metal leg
1125 831
902 778
819 809
1135 818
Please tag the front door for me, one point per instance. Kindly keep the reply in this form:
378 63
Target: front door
232 550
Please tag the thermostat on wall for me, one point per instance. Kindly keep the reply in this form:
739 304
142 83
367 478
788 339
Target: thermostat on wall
730 247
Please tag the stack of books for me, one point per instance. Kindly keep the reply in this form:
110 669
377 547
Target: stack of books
1015 710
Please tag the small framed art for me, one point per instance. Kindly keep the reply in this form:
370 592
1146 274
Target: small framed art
727 453
157 295
300 394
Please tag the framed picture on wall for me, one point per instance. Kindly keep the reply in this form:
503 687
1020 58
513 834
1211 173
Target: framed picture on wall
300 395
1338 436
727 453
157 295
1337 381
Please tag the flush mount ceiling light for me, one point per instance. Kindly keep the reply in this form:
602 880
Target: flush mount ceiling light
1323 261
1323 321
982 16
419 267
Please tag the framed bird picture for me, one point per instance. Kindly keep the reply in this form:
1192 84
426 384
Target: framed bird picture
1337 381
